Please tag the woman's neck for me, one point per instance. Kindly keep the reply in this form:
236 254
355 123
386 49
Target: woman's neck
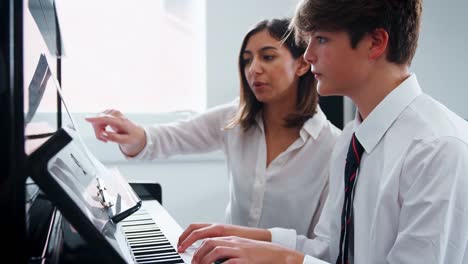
275 113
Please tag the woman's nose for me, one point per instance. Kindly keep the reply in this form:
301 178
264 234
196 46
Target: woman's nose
255 67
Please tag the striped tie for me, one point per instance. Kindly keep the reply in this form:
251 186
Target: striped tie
353 159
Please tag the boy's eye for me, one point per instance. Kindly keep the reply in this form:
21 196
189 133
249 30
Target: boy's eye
321 40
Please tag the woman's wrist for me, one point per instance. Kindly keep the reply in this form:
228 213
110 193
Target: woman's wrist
131 150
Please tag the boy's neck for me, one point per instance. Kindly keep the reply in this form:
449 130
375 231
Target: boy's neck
381 82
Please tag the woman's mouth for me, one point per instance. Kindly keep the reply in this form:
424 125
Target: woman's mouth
259 85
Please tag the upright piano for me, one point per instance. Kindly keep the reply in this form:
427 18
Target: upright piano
80 211
51 238
34 229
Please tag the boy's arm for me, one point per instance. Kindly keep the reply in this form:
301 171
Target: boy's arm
434 212
314 249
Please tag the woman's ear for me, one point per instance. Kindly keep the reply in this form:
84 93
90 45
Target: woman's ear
303 66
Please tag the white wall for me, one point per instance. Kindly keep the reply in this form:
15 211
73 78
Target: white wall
227 23
441 59
196 190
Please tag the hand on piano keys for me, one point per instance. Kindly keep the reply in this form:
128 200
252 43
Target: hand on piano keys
221 243
201 231
151 234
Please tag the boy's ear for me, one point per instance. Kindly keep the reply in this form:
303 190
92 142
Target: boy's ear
303 66
378 43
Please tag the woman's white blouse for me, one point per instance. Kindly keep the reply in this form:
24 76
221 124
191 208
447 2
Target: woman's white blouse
289 193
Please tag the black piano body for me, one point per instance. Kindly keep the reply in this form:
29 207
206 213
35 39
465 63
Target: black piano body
52 239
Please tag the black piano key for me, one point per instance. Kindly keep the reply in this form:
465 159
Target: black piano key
136 219
139 245
145 234
155 237
158 256
155 253
158 249
151 250
139 224
162 261
159 259
140 231
146 239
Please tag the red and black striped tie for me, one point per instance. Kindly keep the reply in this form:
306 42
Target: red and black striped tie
353 159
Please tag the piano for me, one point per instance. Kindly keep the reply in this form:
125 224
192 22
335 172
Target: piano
80 211
151 233
36 230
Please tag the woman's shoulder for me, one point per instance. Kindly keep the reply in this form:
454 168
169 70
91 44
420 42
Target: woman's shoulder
225 110
220 114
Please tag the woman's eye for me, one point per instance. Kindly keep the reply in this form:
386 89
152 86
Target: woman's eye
246 61
268 57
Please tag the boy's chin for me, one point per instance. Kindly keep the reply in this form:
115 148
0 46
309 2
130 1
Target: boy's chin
325 91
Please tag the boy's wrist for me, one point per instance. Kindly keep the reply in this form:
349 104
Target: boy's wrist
261 234
293 257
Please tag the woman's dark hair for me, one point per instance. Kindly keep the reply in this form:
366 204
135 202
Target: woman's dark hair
307 96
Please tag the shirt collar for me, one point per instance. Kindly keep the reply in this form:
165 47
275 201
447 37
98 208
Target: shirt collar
311 127
370 131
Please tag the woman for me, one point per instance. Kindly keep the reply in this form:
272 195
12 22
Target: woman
277 141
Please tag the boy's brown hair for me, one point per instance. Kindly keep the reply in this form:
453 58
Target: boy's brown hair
400 18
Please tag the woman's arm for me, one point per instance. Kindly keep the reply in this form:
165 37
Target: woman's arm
202 133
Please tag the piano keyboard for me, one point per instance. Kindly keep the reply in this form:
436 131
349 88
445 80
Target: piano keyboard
147 242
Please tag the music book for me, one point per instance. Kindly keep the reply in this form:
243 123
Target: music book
92 197
44 13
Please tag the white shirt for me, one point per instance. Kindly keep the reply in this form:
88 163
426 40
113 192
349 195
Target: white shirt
289 193
411 198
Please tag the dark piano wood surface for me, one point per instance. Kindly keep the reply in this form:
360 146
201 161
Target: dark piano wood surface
51 239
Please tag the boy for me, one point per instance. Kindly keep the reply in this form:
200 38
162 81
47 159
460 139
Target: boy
399 172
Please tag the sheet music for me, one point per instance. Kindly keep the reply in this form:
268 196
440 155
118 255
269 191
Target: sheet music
101 186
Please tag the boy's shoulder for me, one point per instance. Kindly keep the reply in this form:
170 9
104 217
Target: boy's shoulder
427 119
